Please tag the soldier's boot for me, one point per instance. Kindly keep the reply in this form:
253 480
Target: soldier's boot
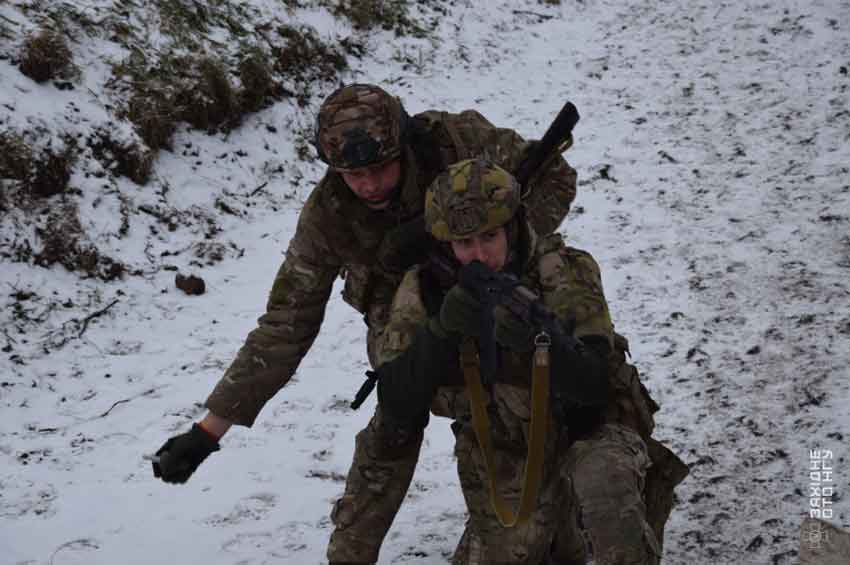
608 471
384 460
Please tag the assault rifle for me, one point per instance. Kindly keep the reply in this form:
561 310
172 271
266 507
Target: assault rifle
504 289
411 244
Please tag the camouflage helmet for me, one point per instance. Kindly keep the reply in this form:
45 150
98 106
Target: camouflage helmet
471 197
359 125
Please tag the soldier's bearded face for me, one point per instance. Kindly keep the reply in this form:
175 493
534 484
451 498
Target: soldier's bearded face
375 184
490 247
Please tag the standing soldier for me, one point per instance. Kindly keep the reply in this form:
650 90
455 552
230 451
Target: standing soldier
380 162
579 473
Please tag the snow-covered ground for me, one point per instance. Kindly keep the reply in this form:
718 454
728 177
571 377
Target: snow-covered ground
714 162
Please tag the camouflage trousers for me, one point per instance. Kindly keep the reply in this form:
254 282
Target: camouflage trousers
591 498
591 503
384 461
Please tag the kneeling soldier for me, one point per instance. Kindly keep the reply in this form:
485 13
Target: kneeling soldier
548 431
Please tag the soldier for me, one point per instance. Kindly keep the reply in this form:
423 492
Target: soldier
380 162
594 459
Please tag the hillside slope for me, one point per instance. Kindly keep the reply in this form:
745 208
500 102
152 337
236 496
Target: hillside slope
714 163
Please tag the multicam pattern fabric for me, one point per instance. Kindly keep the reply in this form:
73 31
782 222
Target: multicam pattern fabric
577 488
338 235
359 125
471 197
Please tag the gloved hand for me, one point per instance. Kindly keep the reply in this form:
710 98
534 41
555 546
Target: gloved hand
580 376
407 383
511 331
181 455
460 313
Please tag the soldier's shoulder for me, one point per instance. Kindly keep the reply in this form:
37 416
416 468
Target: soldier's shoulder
465 119
556 259
326 197
550 243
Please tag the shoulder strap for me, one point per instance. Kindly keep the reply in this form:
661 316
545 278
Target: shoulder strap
533 473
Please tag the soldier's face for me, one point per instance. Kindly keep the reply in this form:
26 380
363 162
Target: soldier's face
375 184
490 247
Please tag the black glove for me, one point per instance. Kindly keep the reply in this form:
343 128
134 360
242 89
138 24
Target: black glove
181 455
407 384
461 312
579 377
511 331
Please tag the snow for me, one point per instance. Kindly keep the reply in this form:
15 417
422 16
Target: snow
714 163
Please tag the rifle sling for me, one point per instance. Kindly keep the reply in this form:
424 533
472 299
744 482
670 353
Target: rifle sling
533 472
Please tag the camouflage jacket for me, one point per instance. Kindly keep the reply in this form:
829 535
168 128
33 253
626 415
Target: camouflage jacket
567 279
338 235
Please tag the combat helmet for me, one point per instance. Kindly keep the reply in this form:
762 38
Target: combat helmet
359 125
472 196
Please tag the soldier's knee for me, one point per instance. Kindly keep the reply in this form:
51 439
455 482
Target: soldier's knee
608 472
382 440
610 463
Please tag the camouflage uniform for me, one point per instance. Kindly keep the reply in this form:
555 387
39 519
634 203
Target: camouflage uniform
338 235
594 485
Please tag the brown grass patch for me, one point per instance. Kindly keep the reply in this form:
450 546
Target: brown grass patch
367 15
126 159
258 86
61 237
306 59
154 116
45 56
210 100
39 174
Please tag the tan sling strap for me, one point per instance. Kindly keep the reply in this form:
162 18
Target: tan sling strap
533 473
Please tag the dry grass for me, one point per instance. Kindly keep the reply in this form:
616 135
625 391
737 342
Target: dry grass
258 86
130 160
46 56
306 60
38 174
61 236
208 99
367 15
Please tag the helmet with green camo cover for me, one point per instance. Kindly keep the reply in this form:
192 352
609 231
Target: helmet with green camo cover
471 197
359 125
